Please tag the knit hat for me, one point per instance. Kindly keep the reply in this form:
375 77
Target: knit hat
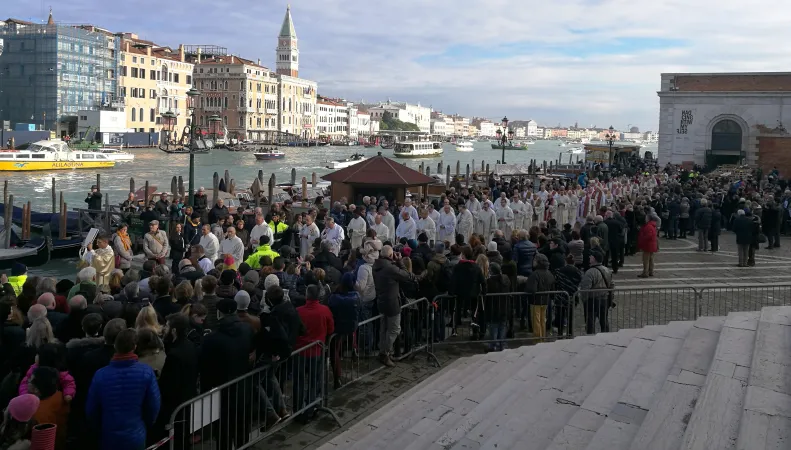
23 407
406 251
439 247
494 269
492 246
542 261
252 276
228 261
271 280
18 269
242 300
226 306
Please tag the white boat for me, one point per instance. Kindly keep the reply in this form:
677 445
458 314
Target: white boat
464 146
269 153
417 149
530 142
117 155
350 161
52 154
576 151
561 144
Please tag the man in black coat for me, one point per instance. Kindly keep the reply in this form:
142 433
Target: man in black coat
389 273
94 199
615 232
225 355
178 382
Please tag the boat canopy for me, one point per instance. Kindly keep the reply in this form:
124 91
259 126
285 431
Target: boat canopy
49 146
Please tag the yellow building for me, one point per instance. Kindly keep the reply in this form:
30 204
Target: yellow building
152 81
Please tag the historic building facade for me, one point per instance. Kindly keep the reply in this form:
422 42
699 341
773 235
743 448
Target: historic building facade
725 118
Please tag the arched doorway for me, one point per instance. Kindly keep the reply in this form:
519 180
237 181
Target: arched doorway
726 144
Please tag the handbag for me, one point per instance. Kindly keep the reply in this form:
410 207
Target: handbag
117 261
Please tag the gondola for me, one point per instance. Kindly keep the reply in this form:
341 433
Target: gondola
35 255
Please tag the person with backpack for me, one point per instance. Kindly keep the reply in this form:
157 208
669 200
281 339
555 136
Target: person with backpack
596 293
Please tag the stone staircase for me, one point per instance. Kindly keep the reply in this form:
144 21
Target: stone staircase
718 383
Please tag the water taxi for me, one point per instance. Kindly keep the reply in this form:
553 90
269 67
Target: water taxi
464 146
350 161
417 149
52 155
268 154
117 155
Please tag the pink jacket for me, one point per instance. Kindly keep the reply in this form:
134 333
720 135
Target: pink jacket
67 384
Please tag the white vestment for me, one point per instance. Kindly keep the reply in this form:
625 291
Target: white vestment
487 223
382 232
406 229
357 227
389 221
447 227
528 215
519 214
334 236
427 226
307 235
465 224
211 246
505 221
563 210
257 232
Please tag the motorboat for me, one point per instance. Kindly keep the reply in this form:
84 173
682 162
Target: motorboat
530 142
269 153
350 161
510 146
576 150
52 154
561 144
117 155
464 146
417 149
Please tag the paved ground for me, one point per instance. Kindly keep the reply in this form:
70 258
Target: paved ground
666 296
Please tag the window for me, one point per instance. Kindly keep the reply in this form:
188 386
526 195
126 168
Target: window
152 74
142 60
241 121
38 156
143 73
225 103
134 72
134 114
151 119
123 71
134 59
123 91
151 130
152 93
189 79
141 114
142 93
176 77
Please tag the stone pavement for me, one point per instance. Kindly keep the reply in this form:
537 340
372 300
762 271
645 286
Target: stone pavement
657 300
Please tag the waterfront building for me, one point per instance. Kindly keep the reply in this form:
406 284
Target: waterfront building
460 125
651 136
484 127
243 93
332 119
442 126
520 132
49 72
547 133
405 112
153 80
532 128
364 125
725 118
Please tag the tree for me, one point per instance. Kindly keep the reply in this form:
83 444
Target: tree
391 123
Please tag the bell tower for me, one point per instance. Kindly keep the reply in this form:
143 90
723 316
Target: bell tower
287 62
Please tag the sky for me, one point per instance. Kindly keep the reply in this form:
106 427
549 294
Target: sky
593 62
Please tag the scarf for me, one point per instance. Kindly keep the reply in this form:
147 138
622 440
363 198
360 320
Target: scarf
125 240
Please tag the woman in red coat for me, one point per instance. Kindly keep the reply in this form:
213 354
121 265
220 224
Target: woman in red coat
647 242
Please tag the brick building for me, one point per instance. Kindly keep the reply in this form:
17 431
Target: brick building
725 118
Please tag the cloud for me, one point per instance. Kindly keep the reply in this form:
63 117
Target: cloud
587 61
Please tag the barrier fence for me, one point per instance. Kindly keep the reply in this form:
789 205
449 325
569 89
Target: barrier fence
353 354
243 411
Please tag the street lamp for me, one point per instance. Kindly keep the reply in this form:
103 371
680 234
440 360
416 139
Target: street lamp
169 126
610 137
504 137
192 98
214 126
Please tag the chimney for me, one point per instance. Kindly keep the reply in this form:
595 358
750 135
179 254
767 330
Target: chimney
232 59
259 61
148 50
181 52
199 52
126 49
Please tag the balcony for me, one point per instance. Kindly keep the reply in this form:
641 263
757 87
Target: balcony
271 110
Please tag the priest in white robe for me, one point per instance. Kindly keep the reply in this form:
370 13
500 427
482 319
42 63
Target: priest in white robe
528 214
407 228
382 232
487 223
447 225
428 226
434 214
389 221
563 208
518 207
307 235
539 209
505 218
357 228
333 233
465 223
410 209
574 204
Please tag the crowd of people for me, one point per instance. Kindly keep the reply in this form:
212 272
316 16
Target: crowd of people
109 356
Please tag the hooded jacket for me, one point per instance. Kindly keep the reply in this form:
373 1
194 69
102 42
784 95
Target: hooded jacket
225 352
388 274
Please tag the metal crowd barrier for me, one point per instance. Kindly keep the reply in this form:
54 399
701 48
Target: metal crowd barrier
495 319
242 412
353 356
719 301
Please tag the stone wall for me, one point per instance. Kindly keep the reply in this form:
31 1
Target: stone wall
775 151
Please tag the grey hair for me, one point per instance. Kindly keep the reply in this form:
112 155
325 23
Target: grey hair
131 290
86 274
162 271
78 302
703 202
740 212
387 251
326 245
45 285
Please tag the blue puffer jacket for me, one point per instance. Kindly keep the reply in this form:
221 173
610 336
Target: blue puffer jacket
346 311
123 402
523 254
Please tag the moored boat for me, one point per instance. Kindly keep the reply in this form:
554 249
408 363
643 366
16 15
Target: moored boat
511 146
52 155
117 155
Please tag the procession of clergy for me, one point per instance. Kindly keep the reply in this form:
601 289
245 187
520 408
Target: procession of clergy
473 211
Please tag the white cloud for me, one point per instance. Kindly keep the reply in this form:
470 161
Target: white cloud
359 48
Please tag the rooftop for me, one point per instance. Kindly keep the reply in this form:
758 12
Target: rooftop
379 171
287 30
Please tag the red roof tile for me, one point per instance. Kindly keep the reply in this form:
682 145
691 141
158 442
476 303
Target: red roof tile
379 171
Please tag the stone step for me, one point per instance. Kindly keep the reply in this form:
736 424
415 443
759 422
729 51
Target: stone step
766 414
667 418
582 426
715 422
626 417
440 380
429 404
534 412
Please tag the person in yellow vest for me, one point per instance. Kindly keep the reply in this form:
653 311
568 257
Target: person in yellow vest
278 230
254 260
18 277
